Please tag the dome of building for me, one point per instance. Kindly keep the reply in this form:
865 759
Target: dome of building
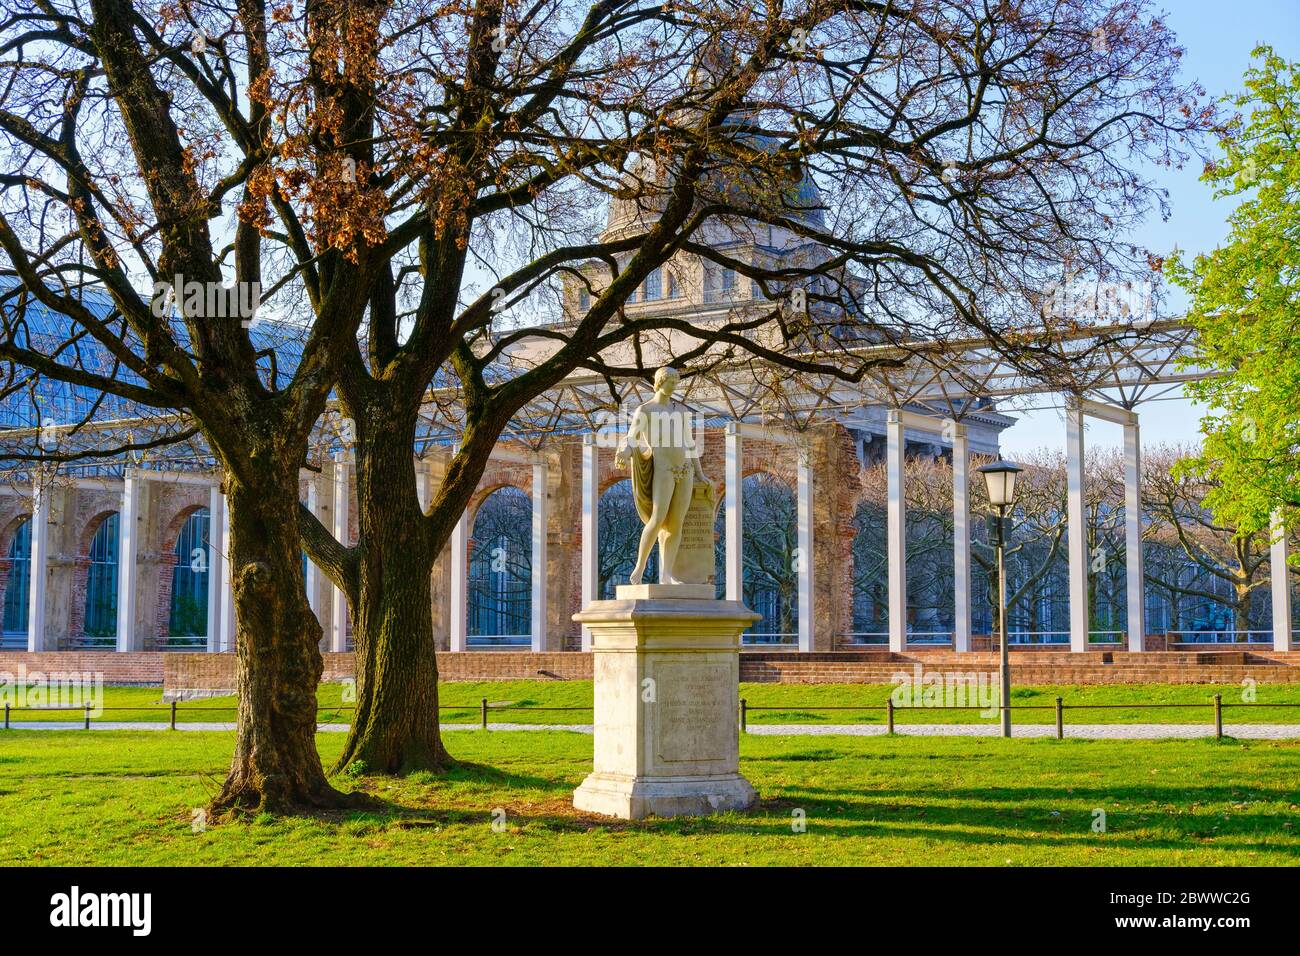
797 199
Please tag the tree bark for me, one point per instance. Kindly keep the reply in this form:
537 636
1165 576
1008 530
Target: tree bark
1241 610
276 766
395 725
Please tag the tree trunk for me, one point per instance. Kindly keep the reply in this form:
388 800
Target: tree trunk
395 725
1241 612
276 766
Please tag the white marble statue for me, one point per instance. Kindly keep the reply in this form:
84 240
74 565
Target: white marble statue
665 468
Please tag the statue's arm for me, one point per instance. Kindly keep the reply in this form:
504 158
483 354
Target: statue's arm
630 440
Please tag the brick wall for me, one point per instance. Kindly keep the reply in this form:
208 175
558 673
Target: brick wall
185 675
190 673
139 668
1028 667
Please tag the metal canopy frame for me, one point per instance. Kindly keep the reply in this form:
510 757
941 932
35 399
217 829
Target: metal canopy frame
1121 364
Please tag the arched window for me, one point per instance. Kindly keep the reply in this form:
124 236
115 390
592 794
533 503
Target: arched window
18 586
189 610
618 538
500 570
101 582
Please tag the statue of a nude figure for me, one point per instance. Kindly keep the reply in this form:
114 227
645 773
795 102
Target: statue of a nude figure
664 473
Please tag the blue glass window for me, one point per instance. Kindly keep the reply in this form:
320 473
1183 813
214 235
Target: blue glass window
18 582
189 611
101 582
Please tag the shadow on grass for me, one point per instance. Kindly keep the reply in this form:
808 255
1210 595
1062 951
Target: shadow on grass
1140 817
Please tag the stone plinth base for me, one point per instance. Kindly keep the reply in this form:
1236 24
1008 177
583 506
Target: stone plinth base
666 667
634 798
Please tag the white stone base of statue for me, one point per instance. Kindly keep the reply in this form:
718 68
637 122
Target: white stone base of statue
666 663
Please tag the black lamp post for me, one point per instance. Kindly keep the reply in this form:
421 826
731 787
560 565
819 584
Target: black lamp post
1000 479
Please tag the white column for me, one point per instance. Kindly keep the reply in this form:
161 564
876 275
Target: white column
228 622
896 532
341 513
216 562
735 520
1280 578
459 604
127 552
41 495
590 528
1135 586
538 574
804 518
424 483
961 540
1076 529
314 578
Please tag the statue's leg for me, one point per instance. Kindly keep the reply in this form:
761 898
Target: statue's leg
677 508
650 533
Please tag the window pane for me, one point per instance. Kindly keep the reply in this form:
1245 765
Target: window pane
189 610
18 582
101 581
653 285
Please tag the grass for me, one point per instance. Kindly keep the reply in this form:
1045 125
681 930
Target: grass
509 701
118 797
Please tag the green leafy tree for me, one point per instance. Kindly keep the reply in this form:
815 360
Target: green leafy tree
1246 306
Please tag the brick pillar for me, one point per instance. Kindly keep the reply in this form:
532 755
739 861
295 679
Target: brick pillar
835 481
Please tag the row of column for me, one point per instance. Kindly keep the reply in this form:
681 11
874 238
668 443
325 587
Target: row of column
220 621
427 476
898 421
733 523
333 505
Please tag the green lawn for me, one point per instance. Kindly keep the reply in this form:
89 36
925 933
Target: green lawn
510 701
126 798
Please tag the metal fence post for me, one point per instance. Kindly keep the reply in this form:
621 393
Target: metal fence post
6 716
1218 716
173 715
482 707
744 716
87 716
889 715
1060 720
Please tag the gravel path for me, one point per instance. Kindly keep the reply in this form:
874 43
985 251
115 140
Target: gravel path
1085 731
227 725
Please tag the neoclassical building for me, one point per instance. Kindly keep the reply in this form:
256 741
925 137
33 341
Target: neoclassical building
128 555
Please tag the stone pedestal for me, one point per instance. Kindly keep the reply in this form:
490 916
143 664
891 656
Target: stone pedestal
666 663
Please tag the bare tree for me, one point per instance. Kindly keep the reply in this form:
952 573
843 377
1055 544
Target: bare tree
404 170
1179 524
928 532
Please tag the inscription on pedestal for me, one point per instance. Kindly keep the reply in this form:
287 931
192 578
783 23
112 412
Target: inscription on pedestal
696 563
694 719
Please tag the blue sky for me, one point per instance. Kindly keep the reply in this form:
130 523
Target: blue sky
1218 37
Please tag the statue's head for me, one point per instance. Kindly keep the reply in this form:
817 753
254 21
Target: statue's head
667 377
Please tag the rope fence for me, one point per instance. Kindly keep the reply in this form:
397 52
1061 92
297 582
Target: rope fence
889 709
1060 707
